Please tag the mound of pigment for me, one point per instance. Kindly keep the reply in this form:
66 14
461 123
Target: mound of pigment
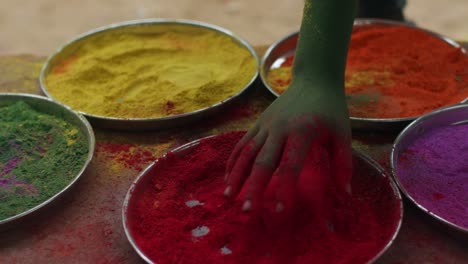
395 72
434 171
151 72
178 214
40 154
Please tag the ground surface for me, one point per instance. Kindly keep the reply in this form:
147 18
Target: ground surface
40 26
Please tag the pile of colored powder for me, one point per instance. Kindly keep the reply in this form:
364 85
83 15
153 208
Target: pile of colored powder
434 171
151 71
40 154
395 72
178 214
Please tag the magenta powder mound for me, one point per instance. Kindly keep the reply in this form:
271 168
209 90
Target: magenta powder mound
434 171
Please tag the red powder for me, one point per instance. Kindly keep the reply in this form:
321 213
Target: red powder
169 107
129 155
64 65
165 227
288 62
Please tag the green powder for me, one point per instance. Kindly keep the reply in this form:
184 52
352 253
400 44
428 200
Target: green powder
40 154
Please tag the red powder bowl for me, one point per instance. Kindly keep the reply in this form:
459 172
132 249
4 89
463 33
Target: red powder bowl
175 212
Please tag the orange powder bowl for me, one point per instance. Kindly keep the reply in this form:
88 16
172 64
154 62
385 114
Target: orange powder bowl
373 89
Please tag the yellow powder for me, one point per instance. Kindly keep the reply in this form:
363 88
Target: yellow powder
149 73
280 78
71 136
368 78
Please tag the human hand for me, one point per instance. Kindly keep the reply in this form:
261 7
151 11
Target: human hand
280 142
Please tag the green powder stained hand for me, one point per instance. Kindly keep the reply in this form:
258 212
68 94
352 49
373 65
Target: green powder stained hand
306 127
287 134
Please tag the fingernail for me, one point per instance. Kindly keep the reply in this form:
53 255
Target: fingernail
226 177
227 192
279 207
247 206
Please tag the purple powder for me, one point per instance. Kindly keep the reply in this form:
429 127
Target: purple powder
9 166
19 187
434 171
12 184
4 182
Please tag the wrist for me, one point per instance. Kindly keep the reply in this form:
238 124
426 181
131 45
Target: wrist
322 86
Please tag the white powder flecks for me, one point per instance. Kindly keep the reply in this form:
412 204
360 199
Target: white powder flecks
225 251
193 203
200 231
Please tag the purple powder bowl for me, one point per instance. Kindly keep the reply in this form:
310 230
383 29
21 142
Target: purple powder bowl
429 162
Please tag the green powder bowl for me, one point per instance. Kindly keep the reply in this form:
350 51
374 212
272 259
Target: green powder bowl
45 148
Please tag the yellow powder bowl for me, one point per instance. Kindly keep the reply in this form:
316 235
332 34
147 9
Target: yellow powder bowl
149 74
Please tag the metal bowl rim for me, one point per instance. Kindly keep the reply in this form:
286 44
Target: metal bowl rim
393 163
194 143
266 56
142 22
135 183
397 197
91 145
359 22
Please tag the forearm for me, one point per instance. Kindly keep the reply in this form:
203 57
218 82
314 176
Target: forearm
323 42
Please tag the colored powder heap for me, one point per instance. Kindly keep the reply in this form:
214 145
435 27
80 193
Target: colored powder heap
394 72
40 154
153 72
434 172
180 215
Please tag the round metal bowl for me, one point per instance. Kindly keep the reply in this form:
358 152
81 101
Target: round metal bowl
444 117
146 175
46 105
146 123
286 47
